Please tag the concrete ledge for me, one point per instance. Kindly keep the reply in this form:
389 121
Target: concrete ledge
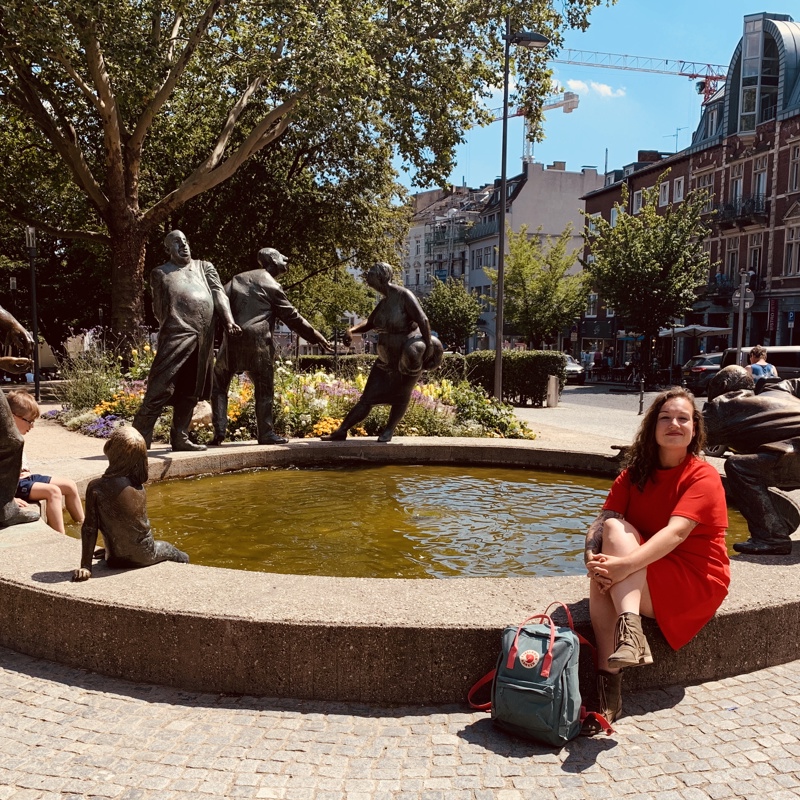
371 640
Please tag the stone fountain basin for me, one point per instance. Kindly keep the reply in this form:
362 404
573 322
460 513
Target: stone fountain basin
380 641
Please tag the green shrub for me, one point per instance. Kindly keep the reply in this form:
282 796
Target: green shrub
90 378
525 373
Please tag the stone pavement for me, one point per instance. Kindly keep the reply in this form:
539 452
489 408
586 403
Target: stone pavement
69 734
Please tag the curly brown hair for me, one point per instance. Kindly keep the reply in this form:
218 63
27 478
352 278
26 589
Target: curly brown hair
642 457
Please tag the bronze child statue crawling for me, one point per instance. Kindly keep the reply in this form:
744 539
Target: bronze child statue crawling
116 506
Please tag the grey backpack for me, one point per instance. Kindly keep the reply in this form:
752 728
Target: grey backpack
535 692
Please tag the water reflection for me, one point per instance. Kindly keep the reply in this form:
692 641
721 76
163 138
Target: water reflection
388 521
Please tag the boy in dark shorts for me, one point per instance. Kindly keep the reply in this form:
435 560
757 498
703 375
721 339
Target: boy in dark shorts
54 489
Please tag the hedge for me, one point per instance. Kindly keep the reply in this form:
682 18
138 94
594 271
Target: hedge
525 373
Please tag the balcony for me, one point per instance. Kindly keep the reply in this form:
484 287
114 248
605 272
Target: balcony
720 290
744 211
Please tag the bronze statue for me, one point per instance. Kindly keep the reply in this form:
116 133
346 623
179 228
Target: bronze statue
257 301
764 431
13 511
186 293
116 505
405 349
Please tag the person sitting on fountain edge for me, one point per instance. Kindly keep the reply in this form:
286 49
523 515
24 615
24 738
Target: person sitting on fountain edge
658 546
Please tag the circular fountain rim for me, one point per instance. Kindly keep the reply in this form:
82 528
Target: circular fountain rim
370 639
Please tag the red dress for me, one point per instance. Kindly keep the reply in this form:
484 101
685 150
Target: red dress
688 584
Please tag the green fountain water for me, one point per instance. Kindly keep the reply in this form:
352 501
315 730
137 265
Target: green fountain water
389 521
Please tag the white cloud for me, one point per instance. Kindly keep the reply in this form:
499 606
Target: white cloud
604 90
578 86
601 89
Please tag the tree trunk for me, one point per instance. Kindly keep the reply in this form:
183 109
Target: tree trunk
128 247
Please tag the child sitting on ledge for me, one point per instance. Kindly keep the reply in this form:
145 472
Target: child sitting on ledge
116 505
52 488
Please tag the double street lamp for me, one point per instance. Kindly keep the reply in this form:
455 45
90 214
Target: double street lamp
534 41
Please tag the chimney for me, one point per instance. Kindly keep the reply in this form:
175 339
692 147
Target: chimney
559 165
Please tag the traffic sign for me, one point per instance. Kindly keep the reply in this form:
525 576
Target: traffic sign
749 298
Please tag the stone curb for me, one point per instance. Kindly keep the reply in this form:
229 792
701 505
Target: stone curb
348 639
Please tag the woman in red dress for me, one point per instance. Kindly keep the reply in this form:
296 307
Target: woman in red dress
658 546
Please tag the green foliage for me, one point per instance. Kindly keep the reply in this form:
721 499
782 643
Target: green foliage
452 311
525 373
89 379
541 297
649 266
307 404
120 113
349 366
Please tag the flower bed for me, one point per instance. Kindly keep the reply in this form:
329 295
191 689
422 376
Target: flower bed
100 394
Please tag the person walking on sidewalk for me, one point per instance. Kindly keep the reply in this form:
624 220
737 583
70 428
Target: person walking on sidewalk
657 549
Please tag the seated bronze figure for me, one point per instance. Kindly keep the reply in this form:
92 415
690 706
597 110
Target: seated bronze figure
116 506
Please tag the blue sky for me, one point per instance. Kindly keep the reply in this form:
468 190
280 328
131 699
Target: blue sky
620 110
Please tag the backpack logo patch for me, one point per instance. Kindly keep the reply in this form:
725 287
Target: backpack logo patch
529 659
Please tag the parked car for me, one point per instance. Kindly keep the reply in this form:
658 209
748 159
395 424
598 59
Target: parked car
575 371
785 359
698 371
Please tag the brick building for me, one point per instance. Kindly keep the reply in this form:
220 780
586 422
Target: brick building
746 153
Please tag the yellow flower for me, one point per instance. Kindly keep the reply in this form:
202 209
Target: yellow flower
147 348
134 352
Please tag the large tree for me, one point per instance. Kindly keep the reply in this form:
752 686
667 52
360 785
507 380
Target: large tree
649 265
117 113
541 296
452 311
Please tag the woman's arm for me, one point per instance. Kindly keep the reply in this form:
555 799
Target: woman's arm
617 568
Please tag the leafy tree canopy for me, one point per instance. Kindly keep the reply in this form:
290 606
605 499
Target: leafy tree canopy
452 311
116 114
540 296
649 266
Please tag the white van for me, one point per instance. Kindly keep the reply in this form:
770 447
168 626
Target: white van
785 359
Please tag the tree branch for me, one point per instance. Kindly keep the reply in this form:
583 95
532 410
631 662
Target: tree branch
60 233
206 176
164 91
27 96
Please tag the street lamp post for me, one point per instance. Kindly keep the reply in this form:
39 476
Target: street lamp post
537 42
30 243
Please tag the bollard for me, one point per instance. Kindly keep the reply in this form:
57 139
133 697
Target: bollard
552 391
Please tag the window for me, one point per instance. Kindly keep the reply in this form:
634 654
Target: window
418 247
754 254
637 201
489 257
590 222
732 258
737 172
591 306
794 168
790 265
760 177
478 259
706 182
614 215
663 193
677 190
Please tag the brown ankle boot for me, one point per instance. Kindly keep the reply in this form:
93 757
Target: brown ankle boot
608 702
632 648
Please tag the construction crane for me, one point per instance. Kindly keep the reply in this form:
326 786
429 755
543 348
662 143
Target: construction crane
708 76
